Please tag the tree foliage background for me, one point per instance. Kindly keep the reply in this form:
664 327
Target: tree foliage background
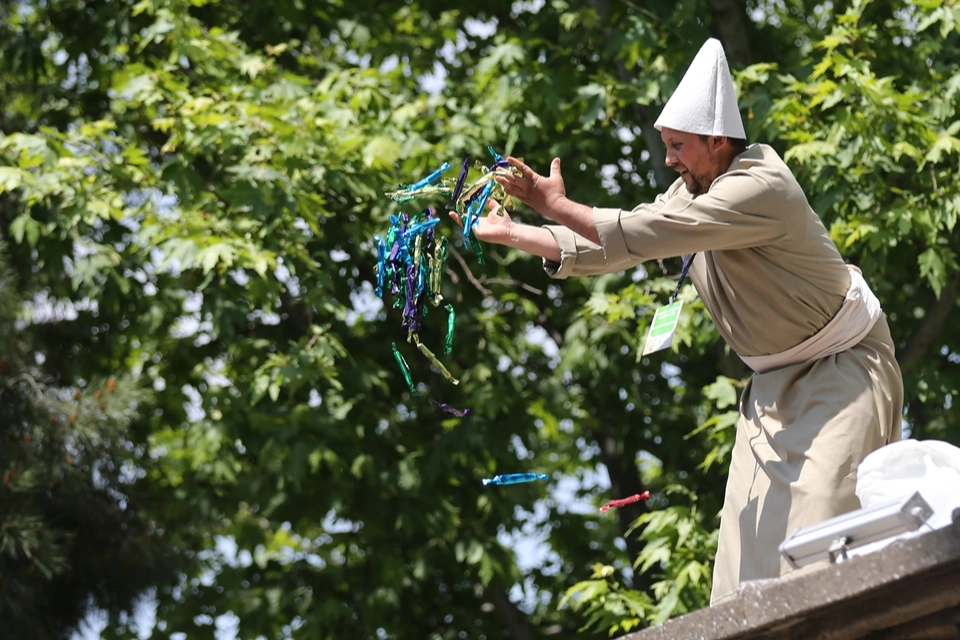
201 409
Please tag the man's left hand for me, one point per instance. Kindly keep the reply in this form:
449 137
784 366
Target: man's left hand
541 193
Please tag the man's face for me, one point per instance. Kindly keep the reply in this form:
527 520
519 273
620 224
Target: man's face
695 159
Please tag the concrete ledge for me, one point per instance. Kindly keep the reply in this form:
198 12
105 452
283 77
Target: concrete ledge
908 590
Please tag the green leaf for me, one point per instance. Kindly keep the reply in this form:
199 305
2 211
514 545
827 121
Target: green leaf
808 151
23 226
933 269
10 178
722 392
945 144
381 152
220 253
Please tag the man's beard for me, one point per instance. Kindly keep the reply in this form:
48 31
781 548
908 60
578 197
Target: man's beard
698 185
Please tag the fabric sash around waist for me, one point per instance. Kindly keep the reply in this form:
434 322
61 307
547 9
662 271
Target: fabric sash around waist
860 311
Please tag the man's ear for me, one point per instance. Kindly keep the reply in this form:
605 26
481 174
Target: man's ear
719 142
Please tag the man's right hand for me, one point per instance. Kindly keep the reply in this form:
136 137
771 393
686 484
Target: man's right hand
494 227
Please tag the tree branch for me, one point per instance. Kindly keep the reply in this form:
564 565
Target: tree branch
651 136
514 619
514 283
466 270
933 322
731 19
624 481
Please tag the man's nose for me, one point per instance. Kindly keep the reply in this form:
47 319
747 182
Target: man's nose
670 159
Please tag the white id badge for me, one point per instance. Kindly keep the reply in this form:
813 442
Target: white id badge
663 327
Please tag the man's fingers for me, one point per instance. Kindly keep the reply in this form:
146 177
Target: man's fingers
510 186
456 218
555 168
526 171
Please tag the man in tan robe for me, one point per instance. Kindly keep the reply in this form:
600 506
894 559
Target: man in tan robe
826 390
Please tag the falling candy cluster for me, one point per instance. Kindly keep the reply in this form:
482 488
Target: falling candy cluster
466 200
410 264
412 255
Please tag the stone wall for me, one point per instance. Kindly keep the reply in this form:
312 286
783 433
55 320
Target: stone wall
909 590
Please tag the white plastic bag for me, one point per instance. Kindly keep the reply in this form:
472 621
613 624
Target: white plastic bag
901 468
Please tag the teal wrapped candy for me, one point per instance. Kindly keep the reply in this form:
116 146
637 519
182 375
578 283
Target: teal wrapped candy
515 478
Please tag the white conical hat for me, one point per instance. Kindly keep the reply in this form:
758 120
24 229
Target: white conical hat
705 102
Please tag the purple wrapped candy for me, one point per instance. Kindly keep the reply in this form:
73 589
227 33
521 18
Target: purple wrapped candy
451 410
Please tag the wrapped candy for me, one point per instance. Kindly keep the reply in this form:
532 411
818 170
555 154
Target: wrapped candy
515 478
622 502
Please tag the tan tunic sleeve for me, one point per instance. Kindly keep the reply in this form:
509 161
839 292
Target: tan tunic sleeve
742 209
578 255
582 257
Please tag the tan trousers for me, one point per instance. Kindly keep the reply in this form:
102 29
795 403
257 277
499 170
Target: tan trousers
803 430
